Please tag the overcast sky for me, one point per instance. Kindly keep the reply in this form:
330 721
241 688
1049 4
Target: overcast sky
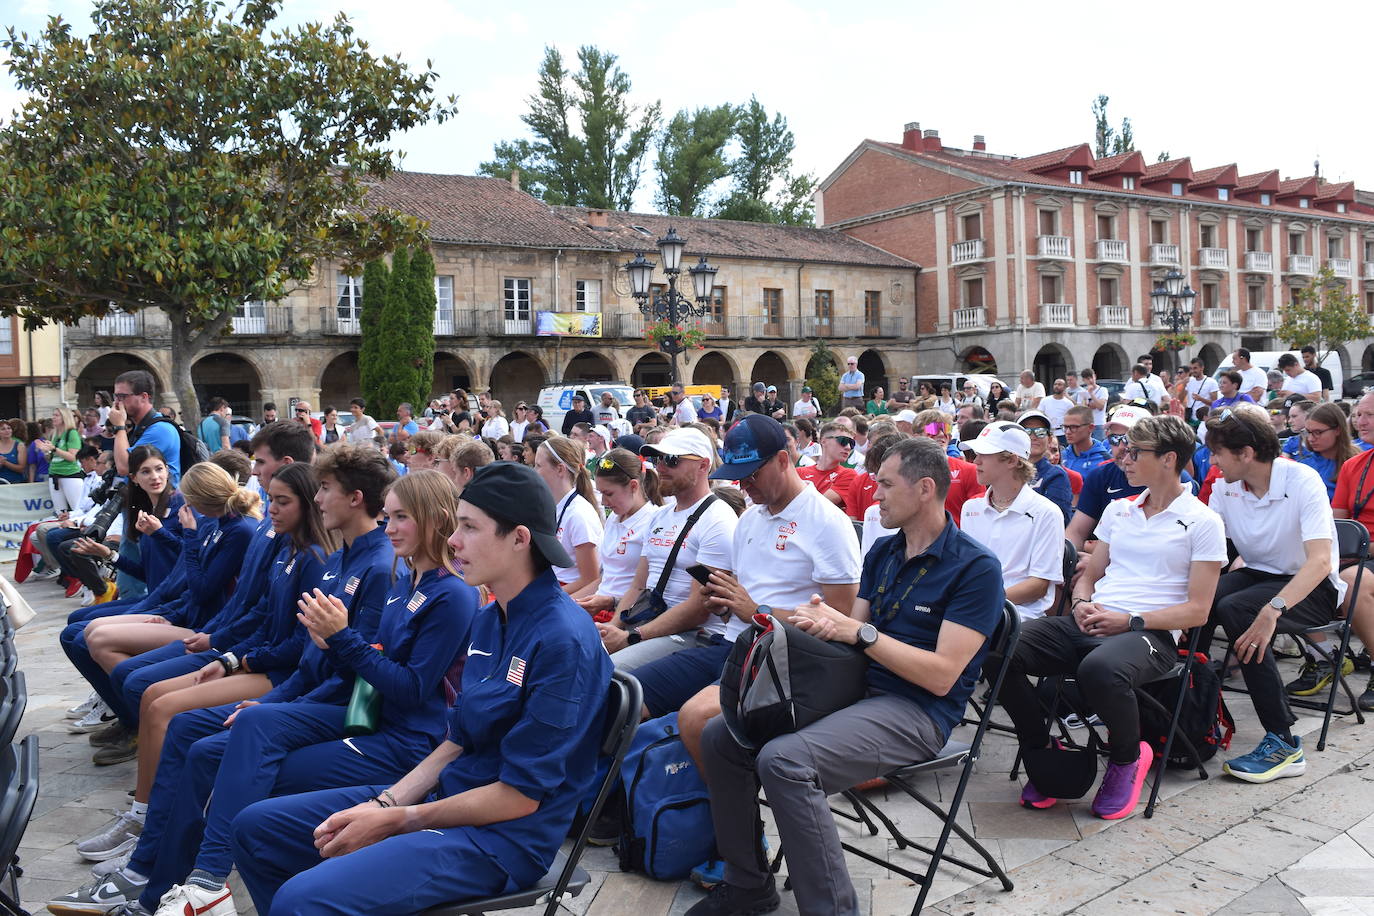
1261 83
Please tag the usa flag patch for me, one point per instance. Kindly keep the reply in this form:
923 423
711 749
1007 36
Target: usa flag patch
351 586
416 600
516 672
292 565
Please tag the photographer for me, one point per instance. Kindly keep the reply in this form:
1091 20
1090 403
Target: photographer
133 395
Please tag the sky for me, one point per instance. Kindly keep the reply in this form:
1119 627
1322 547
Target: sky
1260 83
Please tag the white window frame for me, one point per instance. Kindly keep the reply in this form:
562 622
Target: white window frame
516 298
443 303
587 296
1176 189
1128 182
348 301
1223 193
1265 199
1075 176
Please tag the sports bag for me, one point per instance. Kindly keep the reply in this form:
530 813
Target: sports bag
1203 718
778 679
667 826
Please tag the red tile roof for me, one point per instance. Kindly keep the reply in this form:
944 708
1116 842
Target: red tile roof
1343 190
1259 181
1172 170
1069 155
1131 163
1220 176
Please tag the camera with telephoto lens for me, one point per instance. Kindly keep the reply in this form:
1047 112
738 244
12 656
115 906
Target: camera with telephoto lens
110 496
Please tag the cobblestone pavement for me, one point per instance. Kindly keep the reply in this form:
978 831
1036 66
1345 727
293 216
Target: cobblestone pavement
1298 846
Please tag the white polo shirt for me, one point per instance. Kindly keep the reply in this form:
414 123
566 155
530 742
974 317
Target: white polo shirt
1269 531
1028 538
1055 408
622 542
579 523
710 542
873 529
1151 557
1303 383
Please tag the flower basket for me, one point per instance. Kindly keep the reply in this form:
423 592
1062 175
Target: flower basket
668 337
1174 342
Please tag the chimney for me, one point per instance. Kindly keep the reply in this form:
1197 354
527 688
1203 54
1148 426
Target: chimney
932 141
980 144
597 219
515 179
911 135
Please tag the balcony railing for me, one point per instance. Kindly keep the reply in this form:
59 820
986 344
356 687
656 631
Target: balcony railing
1369 270
1164 254
1111 250
1259 262
115 324
1213 258
813 326
1058 313
1216 318
336 321
1341 267
970 319
1303 264
1117 316
273 319
970 250
459 323
1054 246
1261 320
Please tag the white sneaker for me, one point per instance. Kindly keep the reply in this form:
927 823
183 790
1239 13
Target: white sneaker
87 596
80 709
187 898
118 837
49 573
110 866
99 717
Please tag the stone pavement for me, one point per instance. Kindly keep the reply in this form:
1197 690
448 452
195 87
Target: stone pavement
1298 846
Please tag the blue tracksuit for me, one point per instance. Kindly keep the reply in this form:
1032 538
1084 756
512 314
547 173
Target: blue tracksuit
529 715
274 647
297 746
212 565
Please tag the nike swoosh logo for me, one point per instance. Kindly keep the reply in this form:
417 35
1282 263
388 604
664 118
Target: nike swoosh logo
1111 490
327 576
106 893
473 651
393 600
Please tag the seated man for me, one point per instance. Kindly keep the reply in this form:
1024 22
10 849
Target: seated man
830 475
963 476
1050 479
1280 523
1024 529
929 598
1128 607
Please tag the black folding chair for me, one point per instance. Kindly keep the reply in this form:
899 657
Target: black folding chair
954 754
565 875
9 657
1066 589
859 531
14 697
19 777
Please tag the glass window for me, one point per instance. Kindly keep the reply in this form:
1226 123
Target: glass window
1075 176
1128 182
873 307
1266 199
517 299
1223 193
588 295
1176 189
443 298
349 302
7 336
716 308
772 306
825 306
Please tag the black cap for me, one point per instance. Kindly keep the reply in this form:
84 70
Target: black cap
515 493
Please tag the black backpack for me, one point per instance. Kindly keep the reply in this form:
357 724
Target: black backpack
193 451
1203 718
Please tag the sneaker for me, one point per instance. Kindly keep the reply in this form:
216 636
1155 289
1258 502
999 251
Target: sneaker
109 866
100 896
1366 700
1031 797
1315 676
87 596
111 590
97 718
1074 721
188 898
114 733
728 900
607 829
51 572
74 587
708 874
123 751
118 837
129 909
80 710
1121 785
1272 759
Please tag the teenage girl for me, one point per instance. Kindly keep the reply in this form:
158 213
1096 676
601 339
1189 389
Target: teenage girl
561 464
631 494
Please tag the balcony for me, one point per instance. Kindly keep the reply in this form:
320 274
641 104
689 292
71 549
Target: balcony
334 320
115 324
1214 258
1116 316
513 324
458 323
815 326
1260 320
1259 262
1054 246
961 252
1111 250
1369 270
1341 267
1303 264
970 319
263 321
1056 313
1216 319
1164 254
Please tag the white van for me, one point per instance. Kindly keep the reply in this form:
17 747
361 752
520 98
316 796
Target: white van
1269 359
557 400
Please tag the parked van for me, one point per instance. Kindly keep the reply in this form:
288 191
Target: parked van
557 400
1269 359
956 382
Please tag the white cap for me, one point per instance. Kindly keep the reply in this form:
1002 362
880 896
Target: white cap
906 416
682 441
1001 437
604 433
1034 415
1127 416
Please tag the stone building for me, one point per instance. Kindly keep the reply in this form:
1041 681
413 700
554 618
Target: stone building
501 258
1048 261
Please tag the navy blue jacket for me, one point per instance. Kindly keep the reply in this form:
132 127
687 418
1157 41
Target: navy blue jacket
212 563
159 552
279 640
235 620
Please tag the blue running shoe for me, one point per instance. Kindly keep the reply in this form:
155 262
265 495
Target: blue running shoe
708 874
1274 758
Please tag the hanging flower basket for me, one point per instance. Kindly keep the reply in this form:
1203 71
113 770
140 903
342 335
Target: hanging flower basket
667 336
1175 342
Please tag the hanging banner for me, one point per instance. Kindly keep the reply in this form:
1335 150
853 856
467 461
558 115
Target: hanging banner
568 324
21 504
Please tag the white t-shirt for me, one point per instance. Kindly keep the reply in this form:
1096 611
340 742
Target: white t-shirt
710 542
684 413
579 524
1025 395
1055 408
362 431
1158 393
1205 386
621 545
1253 378
1269 532
495 428
1099 413
1136 389
806 408
781 560
1304 382
517 430
873 529
1028 538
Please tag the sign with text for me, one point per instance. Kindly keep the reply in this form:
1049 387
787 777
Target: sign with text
568 324
21 504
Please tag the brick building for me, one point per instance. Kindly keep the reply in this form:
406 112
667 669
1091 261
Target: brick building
1048 261
501 258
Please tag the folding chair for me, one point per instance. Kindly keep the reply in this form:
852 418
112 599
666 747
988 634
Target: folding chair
565 875
954 754
9 657
19 777
14 697
1061 606
859 531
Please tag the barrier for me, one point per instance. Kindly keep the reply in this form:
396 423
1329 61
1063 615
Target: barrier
21 504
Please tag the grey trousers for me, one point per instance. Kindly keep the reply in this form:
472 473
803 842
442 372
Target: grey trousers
798 772
651 650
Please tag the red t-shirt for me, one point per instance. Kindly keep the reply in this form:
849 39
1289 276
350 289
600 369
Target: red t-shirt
1349 491
1204 492
963 486
839 478
862 494
1075 481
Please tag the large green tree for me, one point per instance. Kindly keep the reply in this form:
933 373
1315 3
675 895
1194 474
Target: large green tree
763 188
589 141
186 156
376 281
393 373
1323 314
419 342
691 158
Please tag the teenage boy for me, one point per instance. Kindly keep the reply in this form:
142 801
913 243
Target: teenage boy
1253 378
363 430
1083 452
829 475
1094 396
1201 390
1298 381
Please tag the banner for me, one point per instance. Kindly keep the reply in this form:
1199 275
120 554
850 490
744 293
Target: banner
568 324
21 504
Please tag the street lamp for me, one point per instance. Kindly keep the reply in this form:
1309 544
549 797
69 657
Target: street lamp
1173 303
670 305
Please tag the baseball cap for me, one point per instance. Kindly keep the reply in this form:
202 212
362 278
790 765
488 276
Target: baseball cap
772 387
758 386
630 442
681 441
604 433
515 493
806 389
1034 415
749 445
1001 437
578 397
906 416
1127 416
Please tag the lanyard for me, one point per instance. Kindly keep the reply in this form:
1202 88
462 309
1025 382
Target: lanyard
1361 502
887 610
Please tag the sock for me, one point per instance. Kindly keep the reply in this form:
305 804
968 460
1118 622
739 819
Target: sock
139 810
1287 738
203 879
134 876
1312 652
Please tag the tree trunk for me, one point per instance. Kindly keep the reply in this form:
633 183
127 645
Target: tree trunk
187 343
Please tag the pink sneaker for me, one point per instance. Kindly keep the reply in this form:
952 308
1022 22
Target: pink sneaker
1120 789
1031 797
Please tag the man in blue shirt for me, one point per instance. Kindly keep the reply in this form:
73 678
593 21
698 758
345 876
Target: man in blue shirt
133 394
852 386
929 598
1083 452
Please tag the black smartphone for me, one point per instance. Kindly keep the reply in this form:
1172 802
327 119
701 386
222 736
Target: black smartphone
701 572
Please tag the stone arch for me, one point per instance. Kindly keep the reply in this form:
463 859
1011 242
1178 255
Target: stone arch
652 370
715 368
874 367
1051 362
451 371
977 360
589 366
1367 360
232 376
1110 361
771 369
1211 355
339 382
516 376
1344 356
99 375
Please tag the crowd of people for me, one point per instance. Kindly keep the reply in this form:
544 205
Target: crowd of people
366 667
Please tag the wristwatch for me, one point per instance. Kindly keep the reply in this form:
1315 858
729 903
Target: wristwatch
1278 604
633 637
118 429
866 637
1137 623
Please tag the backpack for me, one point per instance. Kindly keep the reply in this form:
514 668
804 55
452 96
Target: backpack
1203 718
667 825
191 446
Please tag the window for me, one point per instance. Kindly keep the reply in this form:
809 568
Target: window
1340 207
1106 226
1304 202
1049 287
1159 232
873 308
1223 193
825 306
1207 235
1335 246
971 226
349 303
716 308
1176 189
973 293
772 307
1049 222
1128 182
1369 249
7 336
1108 291
1369 301
656 290
1266 199
1295 242
1254 298
1075 176
1254 239
443 302
517 299
588 295
1211 296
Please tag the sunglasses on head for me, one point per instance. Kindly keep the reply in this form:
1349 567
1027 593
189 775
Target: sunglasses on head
606 464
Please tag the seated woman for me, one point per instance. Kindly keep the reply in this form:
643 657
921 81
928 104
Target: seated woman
630 492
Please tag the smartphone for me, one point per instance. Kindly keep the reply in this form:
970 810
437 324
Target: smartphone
701 572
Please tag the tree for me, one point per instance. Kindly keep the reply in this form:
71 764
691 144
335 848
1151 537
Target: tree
764 164
1324 314
823 378
420 304
393 375
599 164
185 157
376 277
1108 141
691 158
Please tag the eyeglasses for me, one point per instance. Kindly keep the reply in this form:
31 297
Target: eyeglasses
1134 452
1319 430
1115 439
119 396
1070 427
1035 432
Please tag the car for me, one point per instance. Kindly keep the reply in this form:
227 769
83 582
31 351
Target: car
1356 386
556 400
1113 386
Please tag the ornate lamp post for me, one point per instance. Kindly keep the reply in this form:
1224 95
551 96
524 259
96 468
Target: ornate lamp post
670 305
1173 303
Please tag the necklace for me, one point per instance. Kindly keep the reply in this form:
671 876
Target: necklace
999 507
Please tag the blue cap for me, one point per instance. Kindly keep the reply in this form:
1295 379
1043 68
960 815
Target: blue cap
749 445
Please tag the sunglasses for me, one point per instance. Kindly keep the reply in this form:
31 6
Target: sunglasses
846 441
302 410
671 461
1115 439
1036 432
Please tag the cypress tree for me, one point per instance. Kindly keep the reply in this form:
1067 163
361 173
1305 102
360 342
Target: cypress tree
375 279
420 337
394 375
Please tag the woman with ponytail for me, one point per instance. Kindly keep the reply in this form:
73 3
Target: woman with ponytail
560 463
630 492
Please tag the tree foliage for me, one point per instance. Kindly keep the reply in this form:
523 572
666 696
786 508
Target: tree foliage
691 158
376 279
185 157
1324 314
400 366
393 381
1107 140
823 378
763 186
421 302
589 141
